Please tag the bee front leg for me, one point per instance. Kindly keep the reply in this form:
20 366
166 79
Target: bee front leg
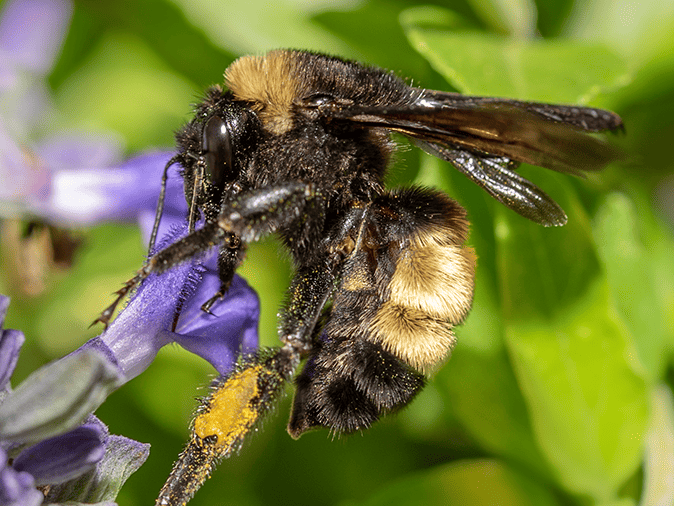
254 214
246 218
180 251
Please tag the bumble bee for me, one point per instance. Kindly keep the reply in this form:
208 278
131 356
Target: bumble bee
298 144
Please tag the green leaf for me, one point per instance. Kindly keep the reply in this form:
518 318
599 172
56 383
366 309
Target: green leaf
256 26
516 17
622 501
126 87
544 270
476 63
373 32
484 396
659 464
642 32
586 404
571 352
475 482
572 355
640 277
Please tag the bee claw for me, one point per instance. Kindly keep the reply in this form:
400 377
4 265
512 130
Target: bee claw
99 320
206 306
105 315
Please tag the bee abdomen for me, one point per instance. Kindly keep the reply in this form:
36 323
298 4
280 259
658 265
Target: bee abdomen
406 284
348 384
430 292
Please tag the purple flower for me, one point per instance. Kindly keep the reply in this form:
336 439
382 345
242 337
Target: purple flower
82 193
47 431
146 324
42 434
79 180
41 177
129 192
66 179
31 35
32 32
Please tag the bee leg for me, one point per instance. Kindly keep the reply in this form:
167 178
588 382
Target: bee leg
314 284
230 256
189 246
223 420
254 214
238 402
244 219
309 291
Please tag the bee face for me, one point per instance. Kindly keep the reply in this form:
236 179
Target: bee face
298 145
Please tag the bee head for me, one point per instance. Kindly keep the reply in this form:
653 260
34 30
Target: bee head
229 136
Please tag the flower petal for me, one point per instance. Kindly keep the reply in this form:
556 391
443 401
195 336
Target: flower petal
85 196
137 334
32 32
65 457
19 178
143 326
230 330
57 397
4 306
77 150
17 488
123 456
175 210
10 345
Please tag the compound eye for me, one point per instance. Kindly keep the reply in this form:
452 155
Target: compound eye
217 148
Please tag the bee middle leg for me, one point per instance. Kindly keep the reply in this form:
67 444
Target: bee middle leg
230 256
255 214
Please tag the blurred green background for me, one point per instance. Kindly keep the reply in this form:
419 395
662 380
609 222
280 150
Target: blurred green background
559 391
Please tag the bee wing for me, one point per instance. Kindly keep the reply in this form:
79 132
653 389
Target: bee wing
483 138
584 118
498 177
498 129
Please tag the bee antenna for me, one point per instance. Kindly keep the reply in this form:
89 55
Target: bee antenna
198 180
160 204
